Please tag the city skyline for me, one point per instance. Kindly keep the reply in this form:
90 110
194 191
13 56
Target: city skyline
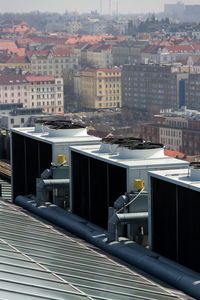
126 6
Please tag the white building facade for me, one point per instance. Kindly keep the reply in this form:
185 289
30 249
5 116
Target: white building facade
44 92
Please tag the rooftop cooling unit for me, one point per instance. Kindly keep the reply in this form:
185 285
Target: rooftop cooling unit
174 223
33 149
99 175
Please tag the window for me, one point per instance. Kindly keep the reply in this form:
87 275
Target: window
12 121
22 120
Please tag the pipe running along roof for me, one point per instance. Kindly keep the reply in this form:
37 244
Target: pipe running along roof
38 261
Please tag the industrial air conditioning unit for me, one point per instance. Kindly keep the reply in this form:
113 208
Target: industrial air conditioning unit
102 173
174 223
33 149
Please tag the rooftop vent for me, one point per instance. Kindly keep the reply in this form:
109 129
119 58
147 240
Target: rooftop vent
39 125
64 128
195 171
110 145
131 148
141 150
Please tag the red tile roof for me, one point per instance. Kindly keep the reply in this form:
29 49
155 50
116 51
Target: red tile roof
39 53
12 79
7 44
17 60
18 51
174 153
62 52
180 48
152 48
73 39
33 78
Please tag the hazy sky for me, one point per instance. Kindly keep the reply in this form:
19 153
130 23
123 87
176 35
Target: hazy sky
131 6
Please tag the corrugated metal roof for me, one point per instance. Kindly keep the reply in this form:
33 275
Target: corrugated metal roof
38 261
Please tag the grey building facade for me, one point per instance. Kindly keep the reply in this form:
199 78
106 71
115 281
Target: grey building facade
150 87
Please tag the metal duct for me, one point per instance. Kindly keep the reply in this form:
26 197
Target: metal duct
44 186
116 219
174 274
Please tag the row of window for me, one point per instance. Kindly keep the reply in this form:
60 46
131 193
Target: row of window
109 73
172 142
13 95
46 89
12 101
12 121
109 98
173 133
43 96
43 103
110 104
109 85
110 92
66 60
14 87
110 79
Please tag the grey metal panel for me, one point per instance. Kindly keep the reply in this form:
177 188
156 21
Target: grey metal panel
40 262
5 189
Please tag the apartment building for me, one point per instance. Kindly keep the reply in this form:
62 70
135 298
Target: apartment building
41 62
193 92
14 89
151 87
99 55
100 88
178 130
127 52
46 92
52 62
64 60
33 91
19 63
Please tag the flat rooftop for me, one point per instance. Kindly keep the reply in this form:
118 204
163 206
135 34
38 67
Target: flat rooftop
178 176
